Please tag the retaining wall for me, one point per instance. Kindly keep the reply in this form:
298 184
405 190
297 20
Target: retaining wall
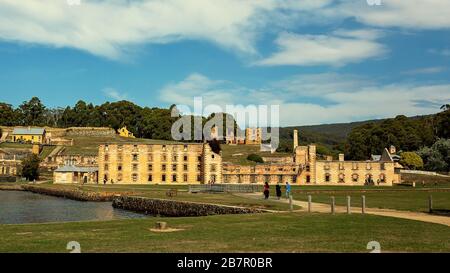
172 208
78 195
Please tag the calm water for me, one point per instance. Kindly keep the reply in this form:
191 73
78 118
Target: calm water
18 207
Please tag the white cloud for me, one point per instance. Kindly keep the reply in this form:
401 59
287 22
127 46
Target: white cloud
110 28
100 27
317 98
114 94
410 14
339 49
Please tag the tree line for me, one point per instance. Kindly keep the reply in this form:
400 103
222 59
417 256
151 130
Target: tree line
426 136
143 122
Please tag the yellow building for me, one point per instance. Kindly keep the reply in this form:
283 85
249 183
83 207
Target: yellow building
193 163
28 135
123 132
303 168
253 136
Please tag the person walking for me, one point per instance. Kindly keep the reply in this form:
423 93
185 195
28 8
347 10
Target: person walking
278 190
266 190
288 190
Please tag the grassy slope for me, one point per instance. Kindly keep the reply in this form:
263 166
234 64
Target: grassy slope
89 145
233 233
242 151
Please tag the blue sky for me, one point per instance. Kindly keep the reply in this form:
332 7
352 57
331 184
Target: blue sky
322 61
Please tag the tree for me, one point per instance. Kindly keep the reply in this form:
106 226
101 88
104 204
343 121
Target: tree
30 167
255 158
437 157
408 134
442 121
411 160
8 116
32 112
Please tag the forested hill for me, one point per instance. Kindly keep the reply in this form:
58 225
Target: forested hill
339 131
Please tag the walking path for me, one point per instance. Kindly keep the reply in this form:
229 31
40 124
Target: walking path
324 208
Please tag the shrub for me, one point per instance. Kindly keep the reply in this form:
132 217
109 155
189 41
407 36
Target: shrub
255 158
411 160
30 167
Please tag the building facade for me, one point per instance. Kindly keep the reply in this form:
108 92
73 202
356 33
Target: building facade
70 174
188 163
29 135
123 132
253 136
303 168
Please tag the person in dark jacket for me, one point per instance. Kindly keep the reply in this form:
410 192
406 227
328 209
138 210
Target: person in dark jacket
278 190
266 190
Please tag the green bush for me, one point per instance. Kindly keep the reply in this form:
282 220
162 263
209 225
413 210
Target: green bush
255 158
411 160
30 167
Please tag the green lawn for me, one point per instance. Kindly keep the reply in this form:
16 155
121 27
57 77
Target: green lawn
287 232
411 200
15 145
159 191
46 150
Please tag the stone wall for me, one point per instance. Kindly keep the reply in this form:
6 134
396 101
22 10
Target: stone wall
78 195
172 208
90 131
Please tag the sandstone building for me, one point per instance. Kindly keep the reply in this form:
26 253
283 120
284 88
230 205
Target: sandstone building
69 174
161 163
303 168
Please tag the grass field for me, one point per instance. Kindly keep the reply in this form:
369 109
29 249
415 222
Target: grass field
287 232
15 145
182 195
412 200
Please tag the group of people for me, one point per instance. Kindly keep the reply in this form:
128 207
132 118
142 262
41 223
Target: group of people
277 190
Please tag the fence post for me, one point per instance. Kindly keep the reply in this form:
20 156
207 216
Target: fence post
348 205
430 204
332 205
363 207
291 208
309 203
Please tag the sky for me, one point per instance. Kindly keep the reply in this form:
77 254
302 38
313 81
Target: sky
320 61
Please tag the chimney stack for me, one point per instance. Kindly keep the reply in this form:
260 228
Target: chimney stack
392 150
295 139
341 157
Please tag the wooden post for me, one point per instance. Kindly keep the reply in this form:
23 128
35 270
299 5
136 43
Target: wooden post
348 205
291 207
430 204
309 203
363 207
332 205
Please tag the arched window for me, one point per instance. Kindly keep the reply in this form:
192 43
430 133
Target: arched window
382 178
355 177
341 178
327 177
